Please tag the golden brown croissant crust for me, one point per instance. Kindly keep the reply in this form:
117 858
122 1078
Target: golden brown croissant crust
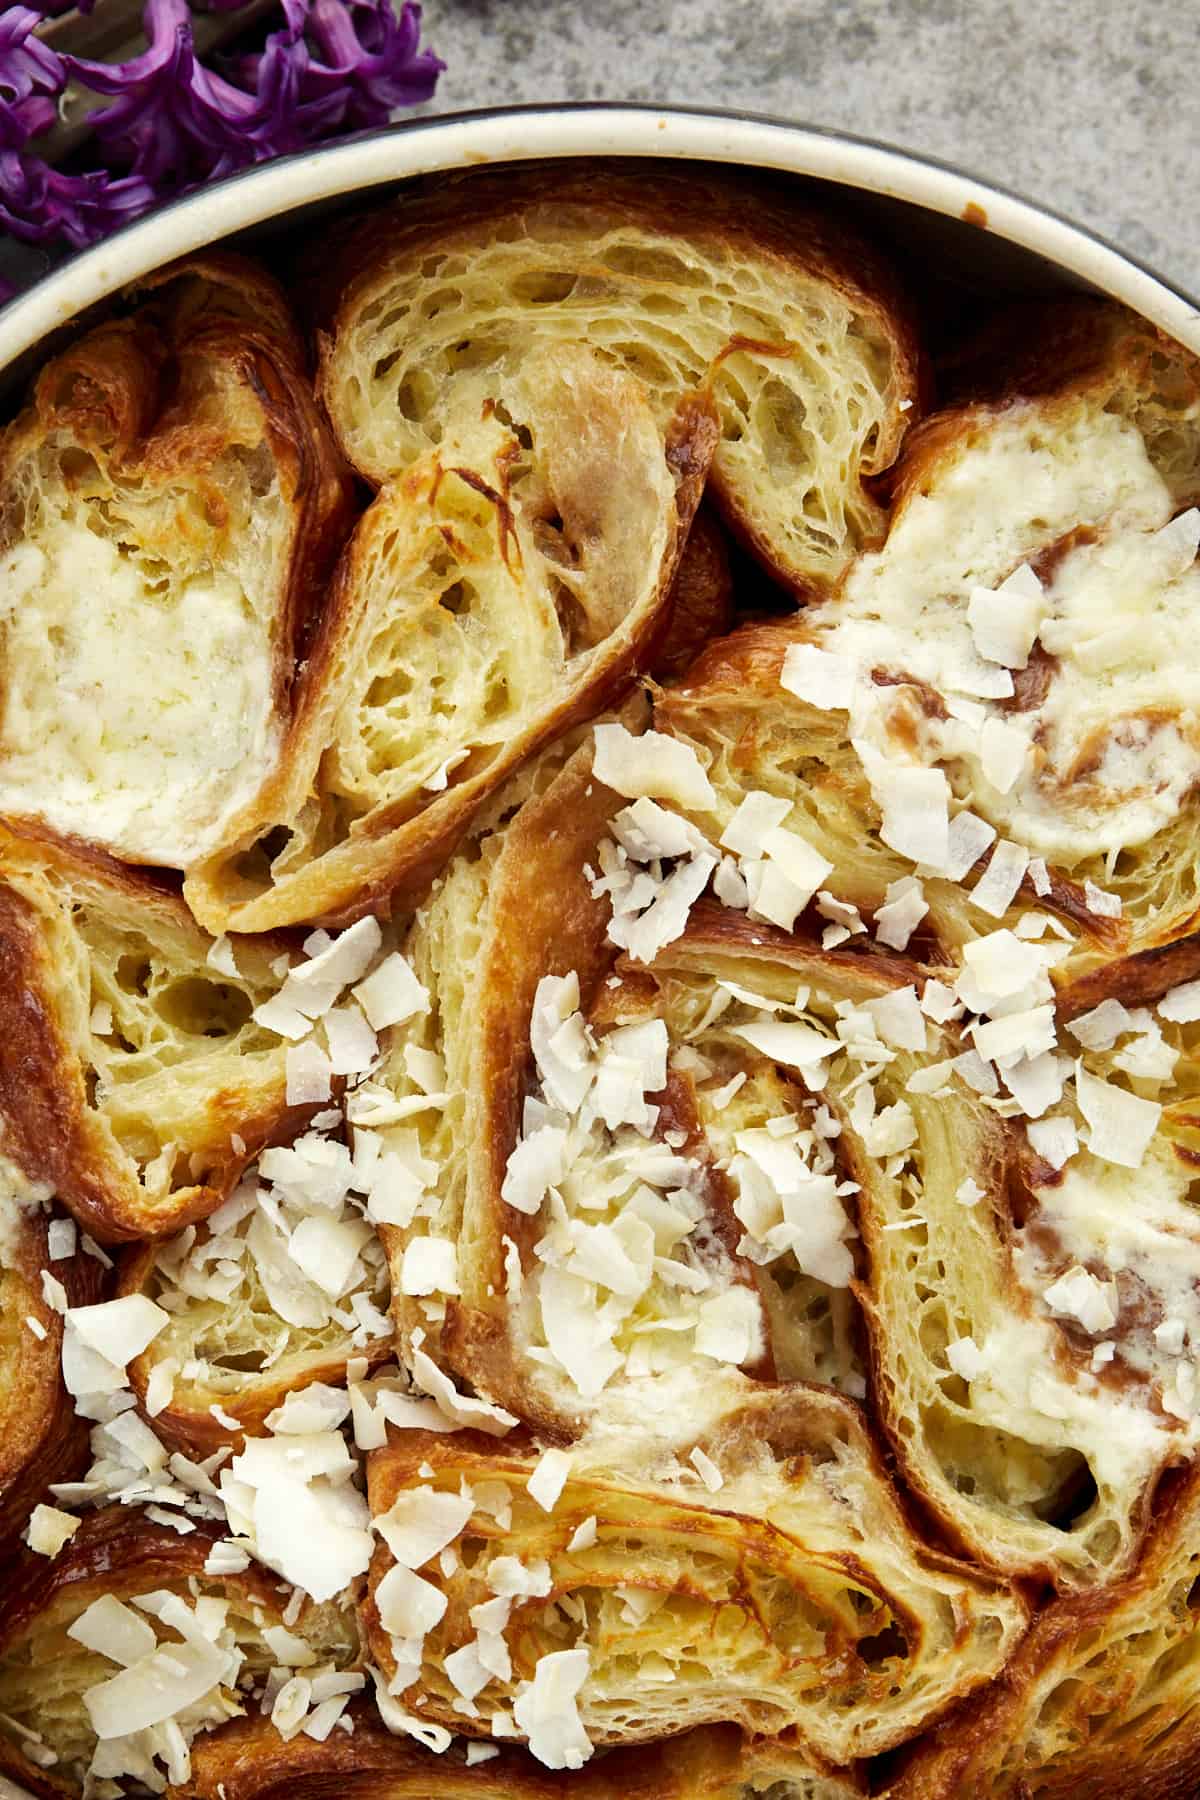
41 1440
246 1761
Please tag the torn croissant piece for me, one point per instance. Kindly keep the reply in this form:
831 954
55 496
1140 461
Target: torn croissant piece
1056 537
504 1292
759 1121
495 594
170 506
1020 646
685 279
133 1080
114 1654
795 1596
1035 1458
1101 1697
257 1312
246 1760
756 738
41 1440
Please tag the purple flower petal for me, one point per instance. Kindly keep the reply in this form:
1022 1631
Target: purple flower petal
374 54
38 203
336 65
169 123
31 79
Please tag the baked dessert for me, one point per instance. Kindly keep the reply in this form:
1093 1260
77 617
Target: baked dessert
136 1081
170 504
681 1613
644 1113
1091 1685
127 1627
503 561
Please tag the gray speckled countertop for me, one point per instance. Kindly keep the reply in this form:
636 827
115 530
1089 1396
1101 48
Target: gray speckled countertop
1086 105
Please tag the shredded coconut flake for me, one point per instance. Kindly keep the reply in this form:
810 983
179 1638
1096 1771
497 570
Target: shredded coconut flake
820 677
1080 1295
899 1020
61 1237
707 1470
408 1605
422 1522
997 887
1004 623
1055 1140
49 1530
308 1074
1039 875
1102 904
1181 1005
791 1042
549 1477
546 1711
429 1266
653 765
1120 1124
756 814
902 911
391 993
1004 750
967 839
914 804
291 1497
730 1328
584 1536
965 1358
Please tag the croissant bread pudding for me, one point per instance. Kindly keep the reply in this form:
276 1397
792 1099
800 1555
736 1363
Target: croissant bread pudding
599 1022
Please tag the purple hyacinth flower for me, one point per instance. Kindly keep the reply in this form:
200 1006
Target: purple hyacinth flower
31 79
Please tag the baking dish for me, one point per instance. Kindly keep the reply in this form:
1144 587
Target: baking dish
952 219
969 240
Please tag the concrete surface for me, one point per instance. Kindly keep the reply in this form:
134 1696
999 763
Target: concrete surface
1085 105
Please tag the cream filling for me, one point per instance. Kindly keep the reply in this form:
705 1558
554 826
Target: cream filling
1105 757
1134 1224
134 711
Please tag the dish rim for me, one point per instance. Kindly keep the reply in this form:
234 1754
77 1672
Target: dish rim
538 130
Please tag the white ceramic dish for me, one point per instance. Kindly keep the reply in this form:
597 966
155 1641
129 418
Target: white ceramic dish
967 220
